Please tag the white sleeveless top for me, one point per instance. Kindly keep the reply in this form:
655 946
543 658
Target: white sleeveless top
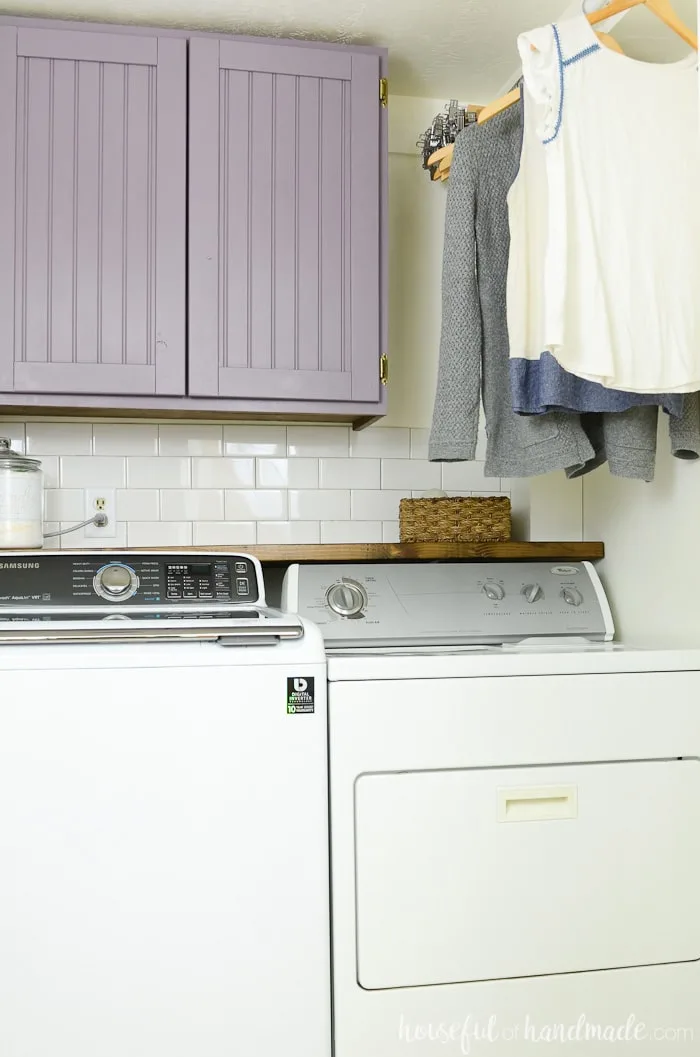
539 384
620 290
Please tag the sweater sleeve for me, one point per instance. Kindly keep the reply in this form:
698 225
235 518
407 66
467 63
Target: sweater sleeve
685 431
457 400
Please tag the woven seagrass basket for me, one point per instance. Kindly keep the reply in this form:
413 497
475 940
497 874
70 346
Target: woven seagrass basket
461 519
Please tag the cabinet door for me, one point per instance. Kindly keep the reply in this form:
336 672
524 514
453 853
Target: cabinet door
92 212
284 222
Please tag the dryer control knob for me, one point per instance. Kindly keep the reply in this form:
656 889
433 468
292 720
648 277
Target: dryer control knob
533 593
347 598
496 592
572 596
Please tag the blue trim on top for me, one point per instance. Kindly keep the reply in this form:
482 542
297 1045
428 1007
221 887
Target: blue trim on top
563 63
581 54
560 59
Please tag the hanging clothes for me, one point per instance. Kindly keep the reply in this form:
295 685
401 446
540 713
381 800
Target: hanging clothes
622 155
474 349
538 383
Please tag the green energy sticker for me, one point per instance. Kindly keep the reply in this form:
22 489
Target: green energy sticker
300 695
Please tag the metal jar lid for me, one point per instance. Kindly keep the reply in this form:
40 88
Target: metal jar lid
12 460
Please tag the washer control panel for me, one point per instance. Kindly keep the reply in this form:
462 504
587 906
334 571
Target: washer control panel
170 579
450 602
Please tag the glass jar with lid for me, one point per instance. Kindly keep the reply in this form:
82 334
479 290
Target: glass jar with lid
21 499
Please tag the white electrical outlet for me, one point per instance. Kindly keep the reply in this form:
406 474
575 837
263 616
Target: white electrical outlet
101 501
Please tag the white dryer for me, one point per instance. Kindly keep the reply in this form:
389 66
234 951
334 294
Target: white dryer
515 815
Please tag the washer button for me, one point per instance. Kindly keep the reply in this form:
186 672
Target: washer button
241 567
242 586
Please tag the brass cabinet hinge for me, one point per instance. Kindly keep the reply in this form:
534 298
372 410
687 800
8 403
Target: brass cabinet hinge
384 91
384 370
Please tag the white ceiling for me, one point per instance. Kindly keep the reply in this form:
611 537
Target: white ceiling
439 48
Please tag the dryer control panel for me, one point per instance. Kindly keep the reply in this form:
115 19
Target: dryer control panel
450 603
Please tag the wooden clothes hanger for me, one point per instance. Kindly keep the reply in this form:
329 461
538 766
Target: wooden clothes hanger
443 157
661 8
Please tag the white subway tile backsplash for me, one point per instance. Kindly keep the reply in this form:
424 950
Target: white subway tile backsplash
14 432
63 504
410 474
59 438
138 504
223 473
349 473
380 442
208 484
223 533
111 438
117 538
51 467
252 505
96 471
192 504
54 542
467 476
270 441
419 443
330 441
312 505
168 472
287 473
380 505
289 532
190 440
160 534
351 532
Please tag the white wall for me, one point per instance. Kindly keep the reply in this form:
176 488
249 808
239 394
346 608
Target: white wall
652 569
416 231
650 531
417 218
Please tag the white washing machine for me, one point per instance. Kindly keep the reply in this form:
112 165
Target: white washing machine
163 811
515 815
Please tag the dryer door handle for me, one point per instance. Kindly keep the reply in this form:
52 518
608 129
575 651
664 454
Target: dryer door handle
543 803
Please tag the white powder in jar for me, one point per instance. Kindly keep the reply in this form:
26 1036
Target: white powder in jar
21 508
20 534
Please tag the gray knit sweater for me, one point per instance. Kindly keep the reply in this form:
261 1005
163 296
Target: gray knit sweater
474 352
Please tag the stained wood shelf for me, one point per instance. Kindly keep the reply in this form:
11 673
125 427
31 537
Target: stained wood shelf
379 552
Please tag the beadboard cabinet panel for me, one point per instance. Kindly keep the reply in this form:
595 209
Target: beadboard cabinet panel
284 213
92 210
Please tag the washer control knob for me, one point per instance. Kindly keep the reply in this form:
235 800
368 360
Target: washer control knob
347 598
495 592
572 596
533 593
115 582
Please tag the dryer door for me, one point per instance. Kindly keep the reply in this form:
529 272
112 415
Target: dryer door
497 872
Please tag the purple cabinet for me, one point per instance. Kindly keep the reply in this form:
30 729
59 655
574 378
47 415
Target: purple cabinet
92 211
252 282
284 223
